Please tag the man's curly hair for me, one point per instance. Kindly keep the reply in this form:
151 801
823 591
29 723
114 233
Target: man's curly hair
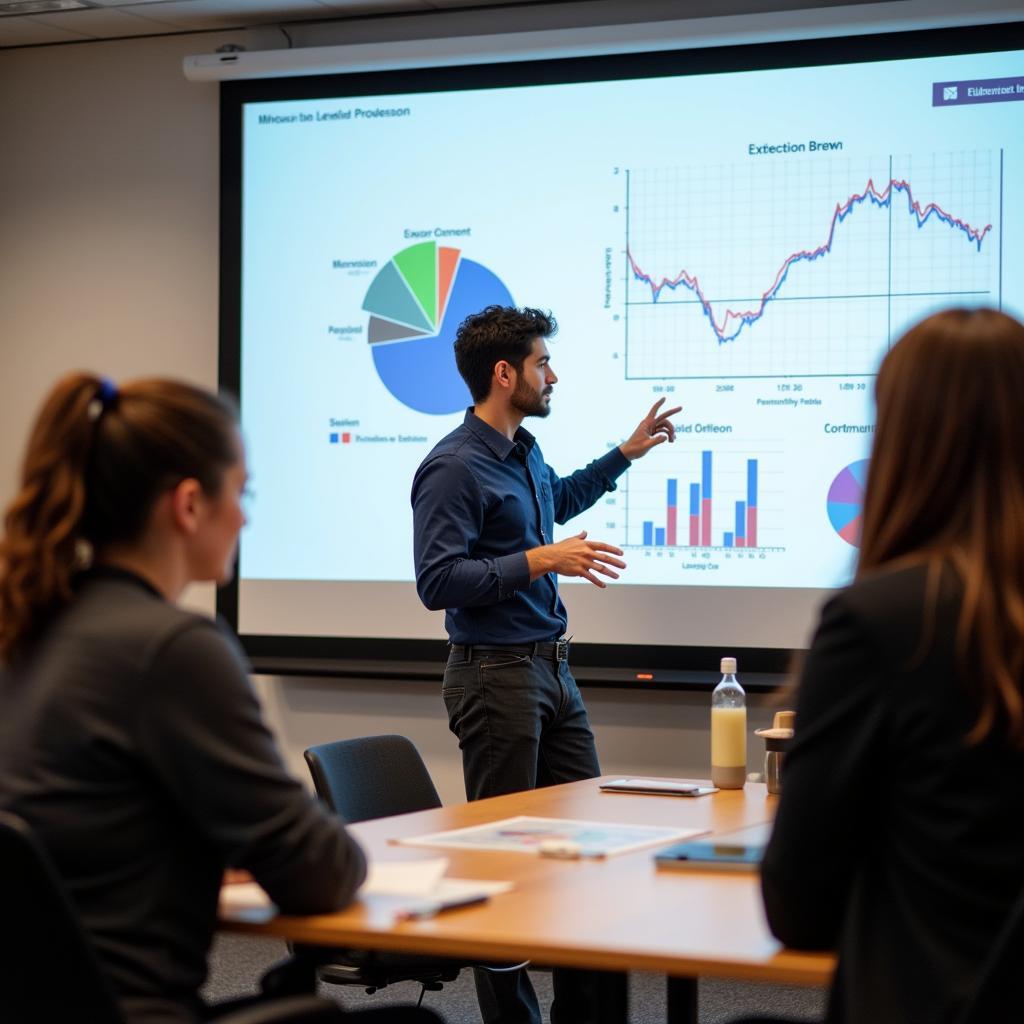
496 333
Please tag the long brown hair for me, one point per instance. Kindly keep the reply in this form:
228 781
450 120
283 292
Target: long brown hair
946 486
97 459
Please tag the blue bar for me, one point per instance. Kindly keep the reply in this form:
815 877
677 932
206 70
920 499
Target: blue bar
727 538
672 494
694 499
741 519
659 537
751 483
648 533
705 481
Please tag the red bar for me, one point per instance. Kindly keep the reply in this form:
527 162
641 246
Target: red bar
705 522
694 531
751 527
738 541
670 525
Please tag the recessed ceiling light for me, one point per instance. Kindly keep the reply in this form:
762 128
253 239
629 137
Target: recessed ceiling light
9 7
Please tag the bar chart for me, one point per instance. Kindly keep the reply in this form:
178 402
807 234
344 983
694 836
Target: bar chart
715 507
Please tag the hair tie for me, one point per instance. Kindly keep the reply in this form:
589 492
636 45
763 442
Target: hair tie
106 396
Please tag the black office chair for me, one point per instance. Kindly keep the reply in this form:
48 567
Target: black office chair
362 779
371 777
49 970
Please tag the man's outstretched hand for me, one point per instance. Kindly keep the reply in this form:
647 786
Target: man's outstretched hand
654 429
576 556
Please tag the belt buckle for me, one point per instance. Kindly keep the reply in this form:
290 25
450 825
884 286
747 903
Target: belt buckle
561 650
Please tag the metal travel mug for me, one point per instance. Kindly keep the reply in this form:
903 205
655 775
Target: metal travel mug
776 741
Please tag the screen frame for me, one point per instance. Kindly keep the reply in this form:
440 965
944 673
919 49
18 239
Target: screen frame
635 666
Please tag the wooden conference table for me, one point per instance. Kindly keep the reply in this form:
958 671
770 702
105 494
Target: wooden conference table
616 914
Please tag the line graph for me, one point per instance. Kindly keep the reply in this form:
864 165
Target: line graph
747 317
882 255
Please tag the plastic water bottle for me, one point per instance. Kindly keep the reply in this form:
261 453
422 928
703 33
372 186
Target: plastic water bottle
728 730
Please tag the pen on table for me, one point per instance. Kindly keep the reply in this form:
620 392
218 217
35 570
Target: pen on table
568 849
425 911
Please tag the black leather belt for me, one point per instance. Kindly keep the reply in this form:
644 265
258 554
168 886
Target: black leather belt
549 650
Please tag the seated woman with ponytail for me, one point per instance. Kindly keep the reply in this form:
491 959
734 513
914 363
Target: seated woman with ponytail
130 738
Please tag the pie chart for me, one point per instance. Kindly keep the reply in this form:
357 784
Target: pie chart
416 303
845 501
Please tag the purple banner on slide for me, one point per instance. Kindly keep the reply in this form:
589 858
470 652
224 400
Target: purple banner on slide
977 90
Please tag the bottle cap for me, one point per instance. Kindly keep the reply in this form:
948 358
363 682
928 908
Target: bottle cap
782 728
784 720
728 666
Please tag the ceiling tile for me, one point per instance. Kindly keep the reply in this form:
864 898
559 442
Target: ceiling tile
103 24
125 3
213 14
24 31
441 5
149 6
355 7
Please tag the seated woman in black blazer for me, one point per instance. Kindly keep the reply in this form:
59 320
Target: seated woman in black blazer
130 738
899 839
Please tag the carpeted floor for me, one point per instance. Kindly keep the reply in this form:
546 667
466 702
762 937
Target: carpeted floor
238 961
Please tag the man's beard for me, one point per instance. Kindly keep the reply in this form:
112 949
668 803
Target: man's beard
530 402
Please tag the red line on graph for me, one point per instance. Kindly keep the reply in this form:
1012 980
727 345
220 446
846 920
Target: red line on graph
842 210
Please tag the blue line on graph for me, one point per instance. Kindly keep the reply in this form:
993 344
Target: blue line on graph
842 211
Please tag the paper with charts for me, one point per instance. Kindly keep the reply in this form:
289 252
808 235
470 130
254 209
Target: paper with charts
525 834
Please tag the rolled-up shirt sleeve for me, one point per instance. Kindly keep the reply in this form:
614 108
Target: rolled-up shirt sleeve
448 517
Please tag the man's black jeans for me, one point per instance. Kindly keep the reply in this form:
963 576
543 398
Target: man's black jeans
521 724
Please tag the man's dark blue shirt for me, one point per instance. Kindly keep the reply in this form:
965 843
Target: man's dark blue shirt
480 502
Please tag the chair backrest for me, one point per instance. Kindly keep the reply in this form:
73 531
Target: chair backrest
49 970
999 983
371 777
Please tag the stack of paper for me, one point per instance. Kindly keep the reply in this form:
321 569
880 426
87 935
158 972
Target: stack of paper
424 879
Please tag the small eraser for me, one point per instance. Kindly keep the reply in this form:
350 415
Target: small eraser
564 849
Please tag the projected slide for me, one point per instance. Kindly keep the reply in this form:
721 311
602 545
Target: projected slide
416 304
747 245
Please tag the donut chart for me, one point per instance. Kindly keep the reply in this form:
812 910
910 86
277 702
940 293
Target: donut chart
416 303
845 502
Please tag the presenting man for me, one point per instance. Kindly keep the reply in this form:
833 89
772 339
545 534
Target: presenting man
484 505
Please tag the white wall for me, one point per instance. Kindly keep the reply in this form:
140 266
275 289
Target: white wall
108 222
108 261
649 734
